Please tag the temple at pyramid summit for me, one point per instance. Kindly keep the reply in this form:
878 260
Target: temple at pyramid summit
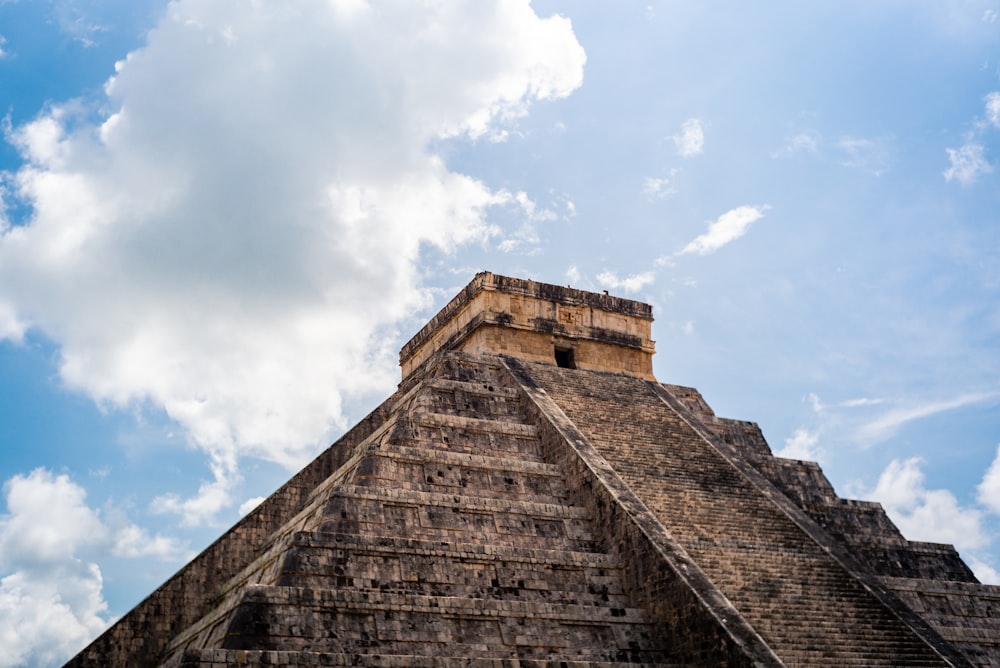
531 496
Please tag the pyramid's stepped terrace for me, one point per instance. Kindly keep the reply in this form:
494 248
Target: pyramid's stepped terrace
445 536
776 575
929 578
531 496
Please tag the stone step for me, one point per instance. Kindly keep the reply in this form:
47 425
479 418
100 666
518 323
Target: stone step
481 388
453 397
469 369
460 501
461 423
858 660
267 659
327 561
435 516
468 435
385 623
223 658
521 555
746 544
470 460
435 470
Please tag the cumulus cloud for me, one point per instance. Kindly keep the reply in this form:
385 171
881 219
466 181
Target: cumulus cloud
250 504
984 571
801 445
51 599
989 488
967 164
927 514
728 227
889 423
630 283
235 236
690 141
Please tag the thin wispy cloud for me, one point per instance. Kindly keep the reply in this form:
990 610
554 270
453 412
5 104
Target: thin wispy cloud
690 141
659 187
526 238
968 163
800 144
888 424
631 283
729 227
868 155
861 401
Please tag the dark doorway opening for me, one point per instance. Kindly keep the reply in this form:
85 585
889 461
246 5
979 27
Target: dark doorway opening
564 358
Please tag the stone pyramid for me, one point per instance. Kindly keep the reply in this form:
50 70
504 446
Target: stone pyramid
532 496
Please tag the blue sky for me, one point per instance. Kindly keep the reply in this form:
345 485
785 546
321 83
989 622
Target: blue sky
221 220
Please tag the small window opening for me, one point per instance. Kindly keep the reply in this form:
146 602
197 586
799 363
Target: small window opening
564 358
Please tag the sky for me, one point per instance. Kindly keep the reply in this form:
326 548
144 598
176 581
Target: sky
221 219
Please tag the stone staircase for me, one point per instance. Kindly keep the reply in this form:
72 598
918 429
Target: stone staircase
807 607
444 541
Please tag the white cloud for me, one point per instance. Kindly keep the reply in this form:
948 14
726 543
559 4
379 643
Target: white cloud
691 139
76 22
573 275
525 238
45 622
3 53
235 241
802 143
865 154
990 16
631 283
861 401
927 514
986 573
51 600
728 227
989 488
213 496
886 425
801 445
993 108
250 504
967 164
657 188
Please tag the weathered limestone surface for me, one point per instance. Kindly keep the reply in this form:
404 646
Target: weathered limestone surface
531 497
497 314
445 535
930 578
